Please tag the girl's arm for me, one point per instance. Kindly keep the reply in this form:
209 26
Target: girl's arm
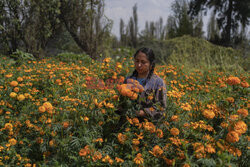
157 109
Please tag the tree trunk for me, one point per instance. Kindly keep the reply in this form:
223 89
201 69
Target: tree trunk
229 23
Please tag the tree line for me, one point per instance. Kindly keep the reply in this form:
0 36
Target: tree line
32 25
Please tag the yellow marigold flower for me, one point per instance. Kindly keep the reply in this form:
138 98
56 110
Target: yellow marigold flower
232 137
233 81
243 112
8 75
12 141
1 148
8 126
209 114
174 131
20 97
240 127
135 141
122 138
13 83
13 94
210 149
48 106
28 165
186 107
41 109
138 159
110 105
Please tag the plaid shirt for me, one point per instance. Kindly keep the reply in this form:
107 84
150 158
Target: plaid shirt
153 98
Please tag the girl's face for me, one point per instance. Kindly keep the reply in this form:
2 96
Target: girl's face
142 64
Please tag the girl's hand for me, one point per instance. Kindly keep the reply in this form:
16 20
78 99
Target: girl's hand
140 113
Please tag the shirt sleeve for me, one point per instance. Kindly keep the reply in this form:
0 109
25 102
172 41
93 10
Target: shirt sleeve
159 103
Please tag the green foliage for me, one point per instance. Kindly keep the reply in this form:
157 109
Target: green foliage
196 53
21 57
74 58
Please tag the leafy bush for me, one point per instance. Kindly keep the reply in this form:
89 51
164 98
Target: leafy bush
74 58
195 53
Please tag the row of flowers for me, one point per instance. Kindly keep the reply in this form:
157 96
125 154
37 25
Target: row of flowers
54 113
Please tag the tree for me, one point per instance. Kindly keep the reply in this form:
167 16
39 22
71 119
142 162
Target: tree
133 27
229 13
27 24
85 21
179 23
213 32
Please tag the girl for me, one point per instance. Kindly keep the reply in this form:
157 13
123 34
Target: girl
153 99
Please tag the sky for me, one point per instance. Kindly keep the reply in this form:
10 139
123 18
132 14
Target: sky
147 10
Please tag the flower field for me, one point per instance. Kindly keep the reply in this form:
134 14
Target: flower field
57 113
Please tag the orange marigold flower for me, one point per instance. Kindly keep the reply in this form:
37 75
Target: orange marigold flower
16 89
174 131
244 84
149 126
159 133
86 119
223 85
230 99
119 160
19 79
13 83
233 117
209 114
97 155
232 137
83 152
157 151
186 165
243 112
175 118
240 127
233 81
224 125
138 159
12 141
51 143
41 109
122 138
65 124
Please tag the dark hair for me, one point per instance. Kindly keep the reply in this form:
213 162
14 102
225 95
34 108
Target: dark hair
151 57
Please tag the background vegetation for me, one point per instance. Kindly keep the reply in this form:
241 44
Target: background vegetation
60 68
